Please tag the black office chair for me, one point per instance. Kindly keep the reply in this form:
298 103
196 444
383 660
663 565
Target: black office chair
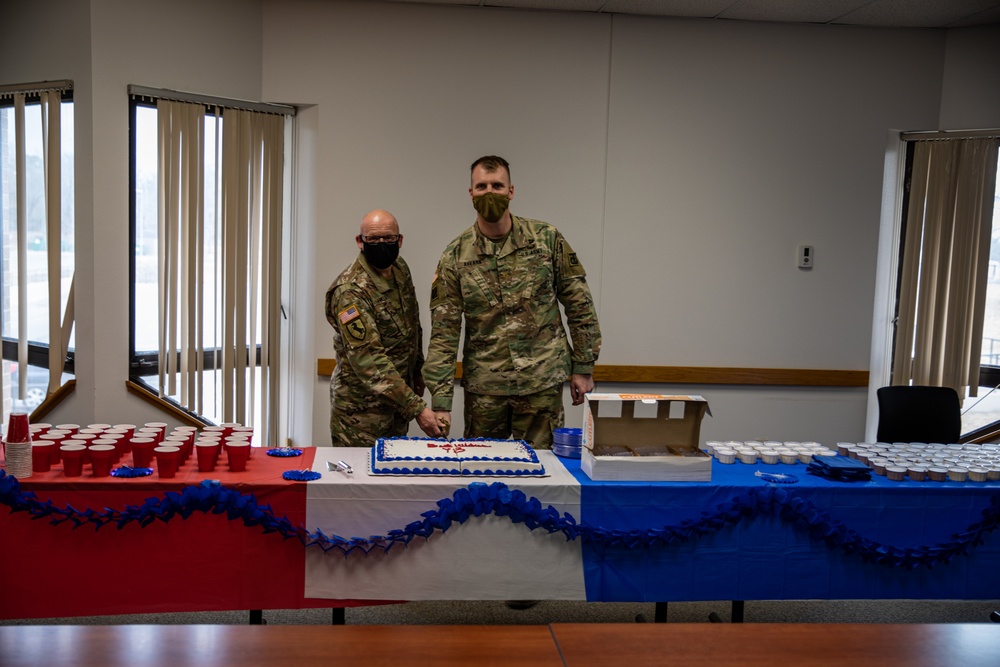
919 414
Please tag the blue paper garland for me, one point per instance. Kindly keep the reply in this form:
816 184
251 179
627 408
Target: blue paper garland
479 499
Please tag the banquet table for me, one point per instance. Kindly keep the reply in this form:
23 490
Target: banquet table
253 540
573 645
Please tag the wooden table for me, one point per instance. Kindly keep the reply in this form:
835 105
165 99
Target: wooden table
573 645
767 644
270 645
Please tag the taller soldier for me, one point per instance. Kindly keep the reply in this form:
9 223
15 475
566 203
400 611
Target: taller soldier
377 384
506 276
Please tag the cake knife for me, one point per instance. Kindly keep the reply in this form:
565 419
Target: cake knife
339 465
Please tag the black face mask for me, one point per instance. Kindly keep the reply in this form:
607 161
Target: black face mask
381 255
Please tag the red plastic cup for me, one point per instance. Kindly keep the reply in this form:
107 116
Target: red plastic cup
216 446
230 427
123 438
87 439
182 443
147 432
206 455
18 429
120 442
72 428
238 453
39 428
214 430
116 455
159 427
129 430
102 457
167 461
142 452
56 440
239 439
41 455
72 458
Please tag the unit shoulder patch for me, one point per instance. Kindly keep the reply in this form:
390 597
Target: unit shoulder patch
356 329
352 324
571 265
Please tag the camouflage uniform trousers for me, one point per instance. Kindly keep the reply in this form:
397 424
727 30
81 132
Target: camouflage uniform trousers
362 429
531 418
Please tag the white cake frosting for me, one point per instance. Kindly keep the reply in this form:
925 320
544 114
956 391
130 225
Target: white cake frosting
438 456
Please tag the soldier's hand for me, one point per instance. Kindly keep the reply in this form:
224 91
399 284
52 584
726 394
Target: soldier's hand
444 420
427 420
579 386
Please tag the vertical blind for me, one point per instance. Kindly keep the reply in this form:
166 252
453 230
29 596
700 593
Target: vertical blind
60 323
945 264
245 259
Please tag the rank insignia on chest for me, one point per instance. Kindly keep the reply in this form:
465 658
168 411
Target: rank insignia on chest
348 314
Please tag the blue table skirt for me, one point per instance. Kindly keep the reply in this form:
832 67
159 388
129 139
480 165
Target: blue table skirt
766 551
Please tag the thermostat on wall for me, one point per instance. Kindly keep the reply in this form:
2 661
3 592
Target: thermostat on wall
805 256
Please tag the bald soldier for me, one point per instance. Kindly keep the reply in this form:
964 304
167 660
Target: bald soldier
377 384
506 276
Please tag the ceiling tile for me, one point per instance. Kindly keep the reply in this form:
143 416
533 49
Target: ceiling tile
915 13
886 13
556 5
698 8
797 11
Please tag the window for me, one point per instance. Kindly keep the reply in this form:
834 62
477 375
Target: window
948 300
984 410
37 244
207 183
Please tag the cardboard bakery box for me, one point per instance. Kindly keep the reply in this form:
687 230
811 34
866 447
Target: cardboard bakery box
645 438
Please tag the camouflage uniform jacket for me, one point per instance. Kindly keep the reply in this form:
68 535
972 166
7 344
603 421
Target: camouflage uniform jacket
377 340
515 343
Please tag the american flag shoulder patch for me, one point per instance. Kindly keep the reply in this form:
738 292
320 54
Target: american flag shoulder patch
348 314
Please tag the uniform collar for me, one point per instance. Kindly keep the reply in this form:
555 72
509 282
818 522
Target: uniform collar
383 284
515 239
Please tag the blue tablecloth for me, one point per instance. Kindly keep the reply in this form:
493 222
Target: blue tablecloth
768 555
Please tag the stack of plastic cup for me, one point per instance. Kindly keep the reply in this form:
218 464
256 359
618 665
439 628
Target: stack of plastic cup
17 449
567 442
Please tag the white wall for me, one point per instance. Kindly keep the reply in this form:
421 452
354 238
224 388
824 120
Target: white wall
971 97
684 159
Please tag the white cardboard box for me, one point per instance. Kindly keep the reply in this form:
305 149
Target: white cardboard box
645 438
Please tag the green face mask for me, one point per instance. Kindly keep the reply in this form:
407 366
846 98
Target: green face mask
491 206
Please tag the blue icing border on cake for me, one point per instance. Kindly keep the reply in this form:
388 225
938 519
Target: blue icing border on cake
530 457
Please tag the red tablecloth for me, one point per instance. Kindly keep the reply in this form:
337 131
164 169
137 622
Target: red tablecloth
203 563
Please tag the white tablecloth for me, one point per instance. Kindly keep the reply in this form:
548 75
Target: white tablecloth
486 558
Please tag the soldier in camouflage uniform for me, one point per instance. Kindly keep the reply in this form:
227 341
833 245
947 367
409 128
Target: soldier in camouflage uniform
507 275
377 384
